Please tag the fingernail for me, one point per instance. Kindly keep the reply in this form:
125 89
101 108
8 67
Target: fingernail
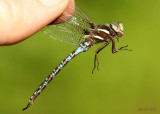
49 2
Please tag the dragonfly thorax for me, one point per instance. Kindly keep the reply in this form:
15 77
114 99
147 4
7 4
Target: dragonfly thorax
118 28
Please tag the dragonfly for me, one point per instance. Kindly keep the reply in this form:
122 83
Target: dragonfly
80 30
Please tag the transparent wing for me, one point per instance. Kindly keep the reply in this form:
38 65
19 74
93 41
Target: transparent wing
72 31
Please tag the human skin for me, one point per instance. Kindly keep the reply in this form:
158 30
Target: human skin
20 19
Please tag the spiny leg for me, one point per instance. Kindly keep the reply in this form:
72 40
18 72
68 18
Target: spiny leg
114 50
122 48
94 63
96 56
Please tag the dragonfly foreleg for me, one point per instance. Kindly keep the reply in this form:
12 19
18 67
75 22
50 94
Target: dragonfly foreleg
114 50
96 56
122 48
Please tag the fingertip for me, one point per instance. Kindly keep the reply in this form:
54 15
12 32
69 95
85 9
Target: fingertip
47 14
49 10
50 2
66 15
39 17
31 17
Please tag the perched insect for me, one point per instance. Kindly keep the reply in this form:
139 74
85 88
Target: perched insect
80 30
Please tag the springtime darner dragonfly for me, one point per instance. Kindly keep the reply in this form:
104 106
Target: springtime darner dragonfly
80 30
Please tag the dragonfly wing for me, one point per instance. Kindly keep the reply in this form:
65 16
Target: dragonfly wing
64 33
71 31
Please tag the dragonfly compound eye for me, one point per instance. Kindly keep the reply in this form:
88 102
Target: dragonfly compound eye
118 28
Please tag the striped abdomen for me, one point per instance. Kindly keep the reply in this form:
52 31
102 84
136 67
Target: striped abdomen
83 47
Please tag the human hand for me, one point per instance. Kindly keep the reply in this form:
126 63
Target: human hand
19 19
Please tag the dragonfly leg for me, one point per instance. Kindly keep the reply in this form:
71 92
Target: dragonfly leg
96 56
113 46
122 48
114 50
95 63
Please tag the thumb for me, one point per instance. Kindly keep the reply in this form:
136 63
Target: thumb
19 20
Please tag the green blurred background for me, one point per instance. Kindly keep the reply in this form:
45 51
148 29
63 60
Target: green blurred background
127 82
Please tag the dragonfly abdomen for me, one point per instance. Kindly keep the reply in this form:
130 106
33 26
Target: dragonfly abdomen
84 46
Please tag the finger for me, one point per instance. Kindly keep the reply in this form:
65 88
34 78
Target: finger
67 14
19 20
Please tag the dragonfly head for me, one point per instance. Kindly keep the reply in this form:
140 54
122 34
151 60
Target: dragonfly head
118 28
